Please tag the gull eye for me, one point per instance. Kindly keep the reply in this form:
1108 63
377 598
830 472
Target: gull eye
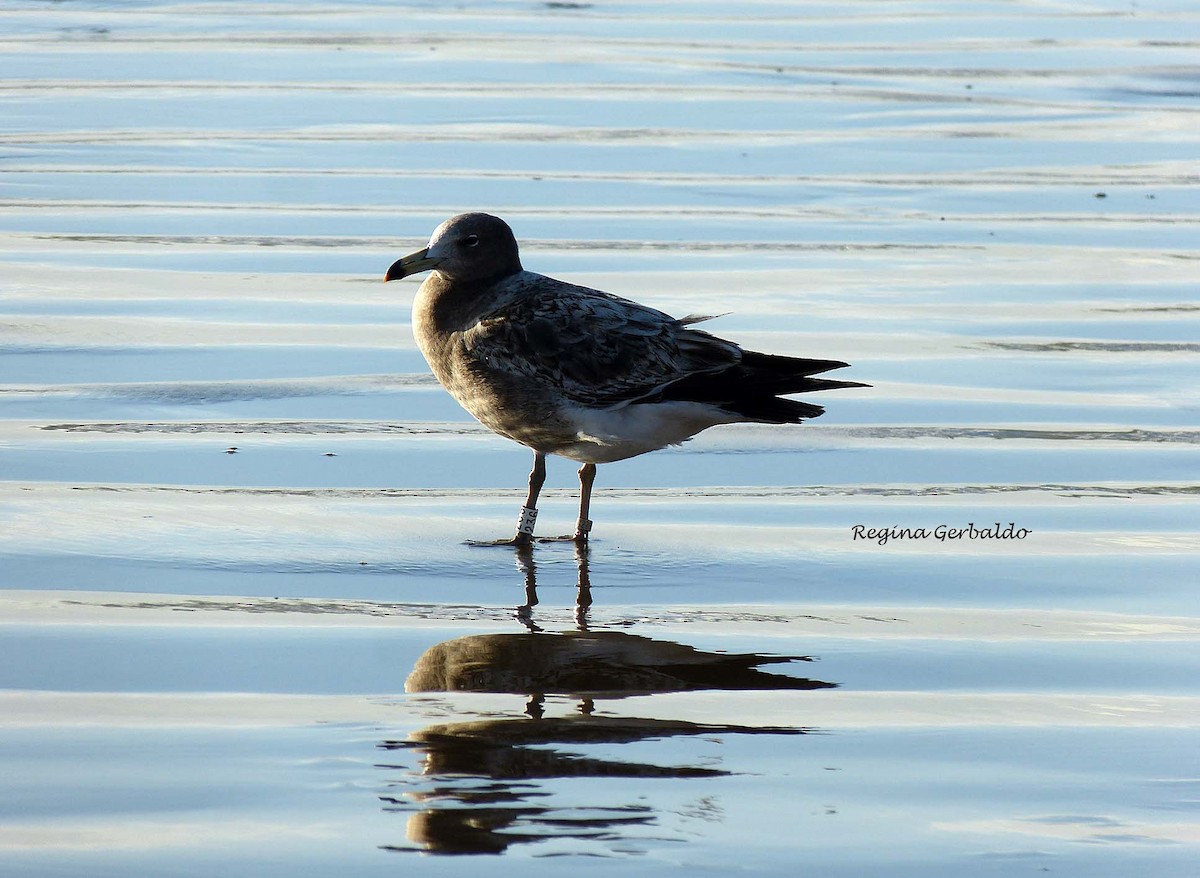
471 241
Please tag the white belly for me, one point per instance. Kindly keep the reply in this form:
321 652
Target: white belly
615 434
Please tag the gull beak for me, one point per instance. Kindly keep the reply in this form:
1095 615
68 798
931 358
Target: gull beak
413 263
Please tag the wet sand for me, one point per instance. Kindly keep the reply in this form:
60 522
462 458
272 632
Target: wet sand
949 626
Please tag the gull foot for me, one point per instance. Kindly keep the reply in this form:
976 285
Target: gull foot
519 541
579 539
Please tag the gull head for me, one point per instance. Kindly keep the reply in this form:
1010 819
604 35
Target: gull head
470 247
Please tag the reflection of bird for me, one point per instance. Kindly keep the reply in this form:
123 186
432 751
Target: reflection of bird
467 830
590 663
568 370
478 790
477 796
583 586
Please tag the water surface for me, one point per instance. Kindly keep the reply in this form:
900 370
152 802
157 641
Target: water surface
241 631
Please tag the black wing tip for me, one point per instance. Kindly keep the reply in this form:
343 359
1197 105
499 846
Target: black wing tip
778 363
831 384
773 410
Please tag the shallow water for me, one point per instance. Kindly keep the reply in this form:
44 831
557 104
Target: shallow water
234 501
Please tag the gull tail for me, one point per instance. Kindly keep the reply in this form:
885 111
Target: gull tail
753 388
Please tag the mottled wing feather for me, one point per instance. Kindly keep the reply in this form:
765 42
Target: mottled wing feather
595 348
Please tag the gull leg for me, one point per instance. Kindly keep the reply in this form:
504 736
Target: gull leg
587 475
524 536
537 478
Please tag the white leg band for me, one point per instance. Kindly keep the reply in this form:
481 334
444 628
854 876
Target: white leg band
526 521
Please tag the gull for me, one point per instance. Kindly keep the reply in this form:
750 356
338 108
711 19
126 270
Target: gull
583 374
